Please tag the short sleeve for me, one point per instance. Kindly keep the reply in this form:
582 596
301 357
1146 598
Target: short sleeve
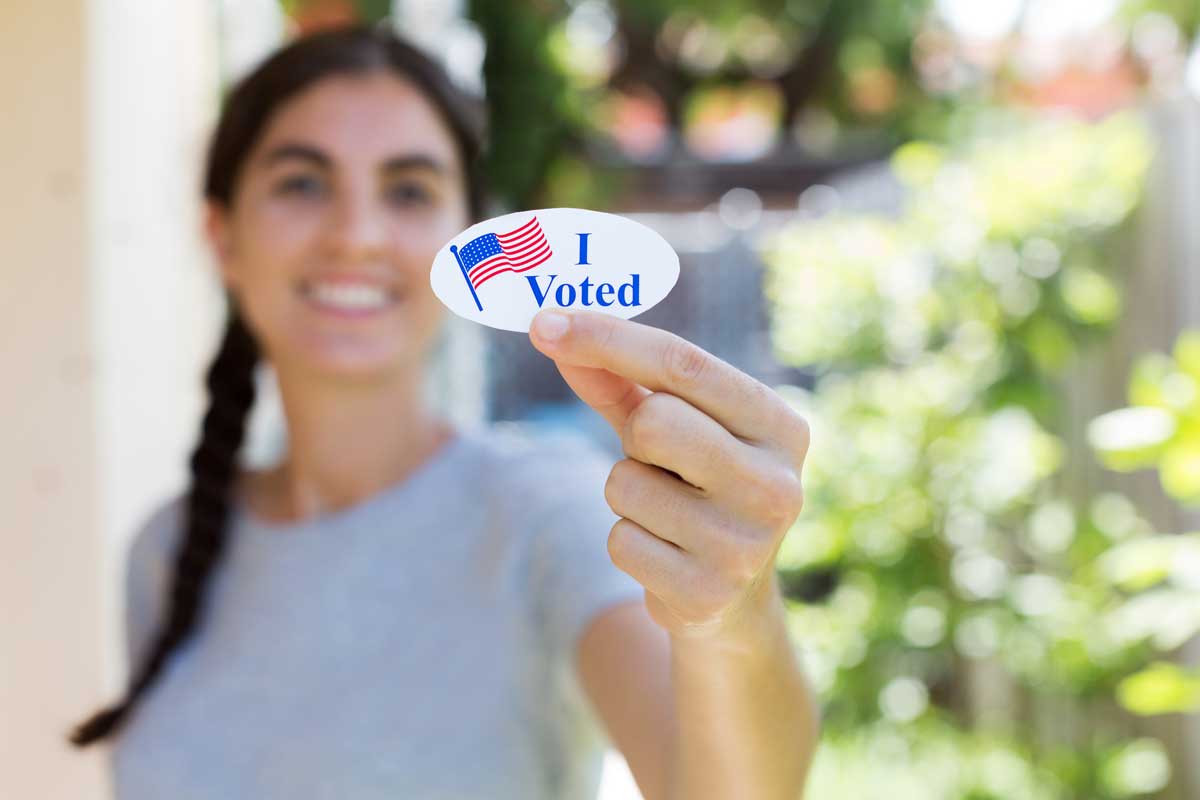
572 573
147 576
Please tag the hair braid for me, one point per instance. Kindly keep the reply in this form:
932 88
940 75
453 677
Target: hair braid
214 464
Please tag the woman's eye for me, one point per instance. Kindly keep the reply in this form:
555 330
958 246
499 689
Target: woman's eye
409 194
300 184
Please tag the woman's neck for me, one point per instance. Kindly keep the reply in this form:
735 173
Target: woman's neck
346 443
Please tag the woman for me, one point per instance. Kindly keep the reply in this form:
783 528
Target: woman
403 609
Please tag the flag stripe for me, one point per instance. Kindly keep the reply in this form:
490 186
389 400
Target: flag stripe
498 261
513 257
497 267
525 252
504 237
521 239
517 252
509 269
521 249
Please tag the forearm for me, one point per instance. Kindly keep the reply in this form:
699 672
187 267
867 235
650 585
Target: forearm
747 719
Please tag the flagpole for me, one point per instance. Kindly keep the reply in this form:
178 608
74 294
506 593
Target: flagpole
470 286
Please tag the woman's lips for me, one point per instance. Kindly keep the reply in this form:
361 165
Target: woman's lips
349 299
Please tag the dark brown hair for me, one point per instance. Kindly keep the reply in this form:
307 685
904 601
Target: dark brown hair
355 50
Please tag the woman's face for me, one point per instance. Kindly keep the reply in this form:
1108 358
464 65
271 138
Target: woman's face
337 214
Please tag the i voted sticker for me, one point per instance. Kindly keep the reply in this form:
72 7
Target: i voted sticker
504 270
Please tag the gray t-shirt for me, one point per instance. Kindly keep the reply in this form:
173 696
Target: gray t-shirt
419 644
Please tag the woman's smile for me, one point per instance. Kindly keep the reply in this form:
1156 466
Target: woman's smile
349 298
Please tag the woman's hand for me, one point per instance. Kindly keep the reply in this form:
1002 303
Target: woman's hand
712 480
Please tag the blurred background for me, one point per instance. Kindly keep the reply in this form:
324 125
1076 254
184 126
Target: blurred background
959 236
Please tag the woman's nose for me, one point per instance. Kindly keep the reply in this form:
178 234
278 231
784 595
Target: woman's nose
359 226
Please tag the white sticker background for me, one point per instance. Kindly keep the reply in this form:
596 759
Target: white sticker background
621 255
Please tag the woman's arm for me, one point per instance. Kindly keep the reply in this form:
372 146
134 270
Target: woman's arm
717 719
709 488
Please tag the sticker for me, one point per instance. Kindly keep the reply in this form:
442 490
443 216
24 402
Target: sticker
504 270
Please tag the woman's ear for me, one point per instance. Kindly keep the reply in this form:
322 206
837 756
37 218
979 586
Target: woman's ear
220 237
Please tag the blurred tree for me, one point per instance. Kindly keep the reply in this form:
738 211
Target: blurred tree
530 128
1160 430
566 78
313 15
982 620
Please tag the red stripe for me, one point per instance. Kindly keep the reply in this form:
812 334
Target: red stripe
517 252
517 244
533 247
530 223
484 266
533 261
504 258
531 256
517 230
516 255
517 241
521 268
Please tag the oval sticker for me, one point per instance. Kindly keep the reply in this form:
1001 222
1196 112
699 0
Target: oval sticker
504 270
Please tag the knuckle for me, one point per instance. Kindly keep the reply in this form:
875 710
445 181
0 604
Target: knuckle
763 396
803 434
738 566
685 363
601 331
619 541
778 495
612 488
655 407
743 564
616 487
645 421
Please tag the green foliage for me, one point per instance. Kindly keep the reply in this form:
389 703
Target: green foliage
1161 688
845 70
367 10
939 762
1161 427
932 485
1160 430
527 97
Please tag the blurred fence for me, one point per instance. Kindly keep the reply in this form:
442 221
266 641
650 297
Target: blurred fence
1162 298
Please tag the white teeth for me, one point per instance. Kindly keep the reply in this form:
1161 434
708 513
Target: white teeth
349 296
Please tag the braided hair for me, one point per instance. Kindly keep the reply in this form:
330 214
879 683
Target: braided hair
357 50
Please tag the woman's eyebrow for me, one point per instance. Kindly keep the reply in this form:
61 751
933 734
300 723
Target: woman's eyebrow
414 161
303 152
407 161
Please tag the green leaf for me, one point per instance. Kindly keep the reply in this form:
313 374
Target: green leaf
1089 296
1141 563
1179 471
917 163
1161 688
1145 382
1187 352
1131 438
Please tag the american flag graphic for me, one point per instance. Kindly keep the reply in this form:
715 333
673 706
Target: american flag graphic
486 256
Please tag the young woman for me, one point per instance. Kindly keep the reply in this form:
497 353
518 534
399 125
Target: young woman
401 608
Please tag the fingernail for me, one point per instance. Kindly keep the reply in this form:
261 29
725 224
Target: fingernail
551 325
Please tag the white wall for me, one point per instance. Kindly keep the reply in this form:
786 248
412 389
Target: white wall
48 484
154 294
105 311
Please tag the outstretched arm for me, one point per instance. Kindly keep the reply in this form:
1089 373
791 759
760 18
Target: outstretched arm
710 487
